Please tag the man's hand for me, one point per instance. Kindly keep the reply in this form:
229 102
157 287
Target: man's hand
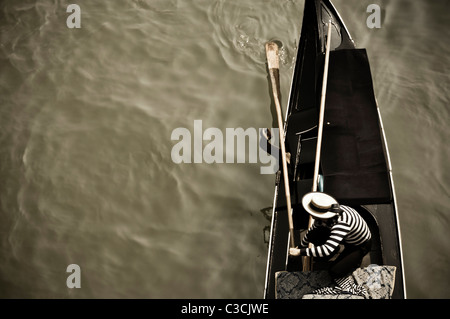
294 252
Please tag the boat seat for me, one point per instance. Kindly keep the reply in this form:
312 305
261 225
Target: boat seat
302 121
302 136
307 150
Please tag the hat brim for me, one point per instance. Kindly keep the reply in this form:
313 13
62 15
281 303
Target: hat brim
306 201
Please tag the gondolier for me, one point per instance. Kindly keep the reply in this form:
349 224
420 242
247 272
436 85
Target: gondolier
334 225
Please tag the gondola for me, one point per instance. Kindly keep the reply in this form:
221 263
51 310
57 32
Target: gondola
354 165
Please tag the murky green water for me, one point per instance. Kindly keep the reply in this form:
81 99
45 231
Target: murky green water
86 116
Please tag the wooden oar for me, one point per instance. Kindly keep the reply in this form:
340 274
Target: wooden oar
274 66
307 264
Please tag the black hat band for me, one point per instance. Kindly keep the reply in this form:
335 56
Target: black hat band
335 208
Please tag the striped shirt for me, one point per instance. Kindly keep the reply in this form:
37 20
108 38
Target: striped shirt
350 228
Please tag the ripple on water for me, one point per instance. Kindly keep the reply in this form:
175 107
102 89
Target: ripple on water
242 34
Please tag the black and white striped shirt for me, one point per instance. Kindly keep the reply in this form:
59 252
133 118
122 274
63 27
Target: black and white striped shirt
350 228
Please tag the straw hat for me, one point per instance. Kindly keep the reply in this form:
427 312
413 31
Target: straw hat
320 205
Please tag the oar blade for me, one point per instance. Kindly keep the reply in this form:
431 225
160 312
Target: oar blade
272 55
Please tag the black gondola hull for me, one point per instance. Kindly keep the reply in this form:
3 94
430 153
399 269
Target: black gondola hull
354 164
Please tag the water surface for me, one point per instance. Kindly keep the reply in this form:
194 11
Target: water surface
86 116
